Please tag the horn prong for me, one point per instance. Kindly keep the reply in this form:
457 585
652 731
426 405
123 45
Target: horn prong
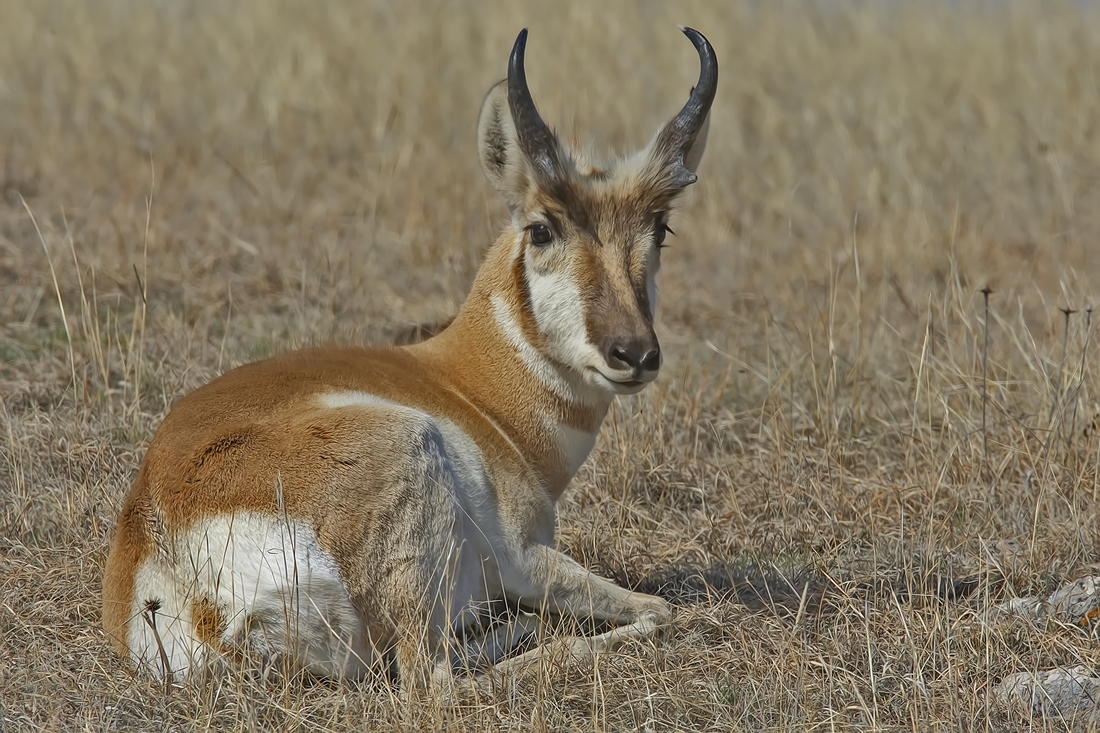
682 177
677 137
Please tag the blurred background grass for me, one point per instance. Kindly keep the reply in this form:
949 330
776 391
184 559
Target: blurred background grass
210 182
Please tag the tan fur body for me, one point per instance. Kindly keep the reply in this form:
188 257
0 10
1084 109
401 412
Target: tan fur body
334 506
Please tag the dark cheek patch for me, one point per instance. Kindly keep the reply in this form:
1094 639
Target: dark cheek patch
596 296
527 323
640 280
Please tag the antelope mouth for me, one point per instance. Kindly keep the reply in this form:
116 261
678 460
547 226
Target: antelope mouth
622 386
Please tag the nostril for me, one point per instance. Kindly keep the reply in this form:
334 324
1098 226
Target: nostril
620 354
651 362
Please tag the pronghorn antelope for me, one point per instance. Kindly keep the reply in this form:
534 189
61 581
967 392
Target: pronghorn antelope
357 508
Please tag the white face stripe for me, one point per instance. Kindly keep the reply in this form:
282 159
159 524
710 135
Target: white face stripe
543 369
557 307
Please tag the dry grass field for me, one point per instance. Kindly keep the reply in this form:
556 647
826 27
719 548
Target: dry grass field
846 461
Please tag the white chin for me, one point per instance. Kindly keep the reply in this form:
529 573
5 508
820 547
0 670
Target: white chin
622 388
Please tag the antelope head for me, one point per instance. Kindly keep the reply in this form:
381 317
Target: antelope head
586 240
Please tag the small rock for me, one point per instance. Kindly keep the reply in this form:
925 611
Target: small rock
1031 607
1062 691
1076 602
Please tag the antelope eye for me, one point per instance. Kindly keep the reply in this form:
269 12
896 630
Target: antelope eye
660 232
540 234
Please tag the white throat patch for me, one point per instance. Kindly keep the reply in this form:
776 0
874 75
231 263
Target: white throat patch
575 445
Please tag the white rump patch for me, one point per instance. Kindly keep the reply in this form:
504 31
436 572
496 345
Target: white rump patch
275 590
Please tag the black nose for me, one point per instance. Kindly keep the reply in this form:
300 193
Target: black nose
642 355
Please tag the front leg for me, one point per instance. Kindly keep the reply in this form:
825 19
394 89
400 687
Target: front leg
557 582
549 580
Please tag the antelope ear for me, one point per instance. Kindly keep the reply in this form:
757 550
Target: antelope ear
498 146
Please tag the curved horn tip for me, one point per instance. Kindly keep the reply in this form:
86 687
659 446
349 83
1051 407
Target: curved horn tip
698 39
520 44
535 139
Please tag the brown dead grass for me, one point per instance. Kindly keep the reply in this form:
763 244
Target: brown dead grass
212 182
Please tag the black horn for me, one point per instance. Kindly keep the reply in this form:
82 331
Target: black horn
680 133
535 138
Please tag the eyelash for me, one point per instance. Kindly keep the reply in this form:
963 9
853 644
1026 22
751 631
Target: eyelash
660 234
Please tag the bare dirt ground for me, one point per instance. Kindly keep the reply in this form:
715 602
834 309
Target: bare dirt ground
847 461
